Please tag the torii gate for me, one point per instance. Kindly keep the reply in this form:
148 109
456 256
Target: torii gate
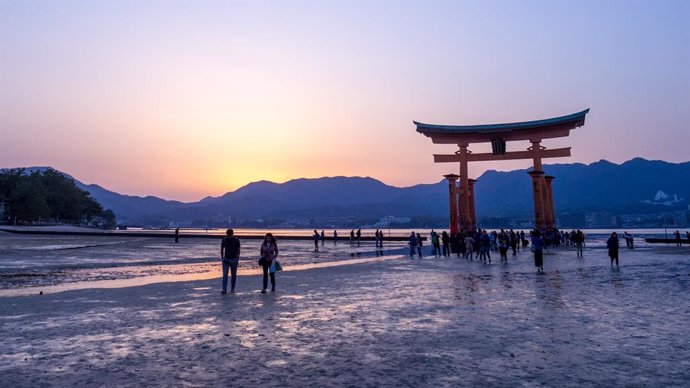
462 213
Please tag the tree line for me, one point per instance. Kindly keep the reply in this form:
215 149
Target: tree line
48 196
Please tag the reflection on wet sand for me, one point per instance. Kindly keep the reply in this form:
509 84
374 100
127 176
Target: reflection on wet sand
96 262
432 322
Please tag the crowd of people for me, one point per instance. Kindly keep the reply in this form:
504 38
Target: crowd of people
480 243
472 245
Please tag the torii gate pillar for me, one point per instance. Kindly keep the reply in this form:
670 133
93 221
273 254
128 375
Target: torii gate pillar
538 190
453 195
472 210
551 222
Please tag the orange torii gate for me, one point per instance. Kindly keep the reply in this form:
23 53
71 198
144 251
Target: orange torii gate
462 212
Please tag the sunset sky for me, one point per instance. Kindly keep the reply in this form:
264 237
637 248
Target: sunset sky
193 98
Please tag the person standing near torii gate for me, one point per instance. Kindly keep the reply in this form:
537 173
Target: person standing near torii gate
469 246
538 249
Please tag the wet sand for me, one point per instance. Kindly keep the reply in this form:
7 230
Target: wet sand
400 322
30 264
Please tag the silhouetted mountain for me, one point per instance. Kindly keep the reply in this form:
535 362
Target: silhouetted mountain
600 186
322 197
129 206
636 186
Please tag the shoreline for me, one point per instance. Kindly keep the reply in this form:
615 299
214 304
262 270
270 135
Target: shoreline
169 234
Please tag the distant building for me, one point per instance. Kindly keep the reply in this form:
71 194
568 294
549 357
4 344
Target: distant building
600 220
572 220
386 222
680 220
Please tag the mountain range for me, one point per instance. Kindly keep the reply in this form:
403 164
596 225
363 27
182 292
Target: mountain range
636 186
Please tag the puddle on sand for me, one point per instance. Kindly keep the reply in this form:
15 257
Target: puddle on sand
149 277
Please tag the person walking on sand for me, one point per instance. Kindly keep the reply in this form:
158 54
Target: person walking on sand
579 240
352 237
230 257
381 239
435 241
316 237
419 245
503 246
678 242
323 237
632 241
612 245
413 244
376 238
445 240
335 237
177 235
485 247
538 249
359 236
469 246
268 252
514 241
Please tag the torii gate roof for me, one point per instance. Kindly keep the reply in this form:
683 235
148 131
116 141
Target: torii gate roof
526 130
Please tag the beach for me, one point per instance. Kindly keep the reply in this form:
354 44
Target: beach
389 321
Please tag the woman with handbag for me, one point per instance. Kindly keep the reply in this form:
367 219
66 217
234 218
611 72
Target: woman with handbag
269 252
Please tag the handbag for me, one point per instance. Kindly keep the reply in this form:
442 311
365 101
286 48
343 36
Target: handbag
261 261
278 265
272 268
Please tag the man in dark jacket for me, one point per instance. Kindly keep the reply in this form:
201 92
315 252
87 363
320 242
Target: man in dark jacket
230 256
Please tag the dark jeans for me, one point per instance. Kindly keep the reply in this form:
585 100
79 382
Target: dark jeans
266 266
538 258
230 264
613 254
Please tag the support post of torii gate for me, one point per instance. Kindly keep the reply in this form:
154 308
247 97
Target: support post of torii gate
551 222
472 210
462 198
453 195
